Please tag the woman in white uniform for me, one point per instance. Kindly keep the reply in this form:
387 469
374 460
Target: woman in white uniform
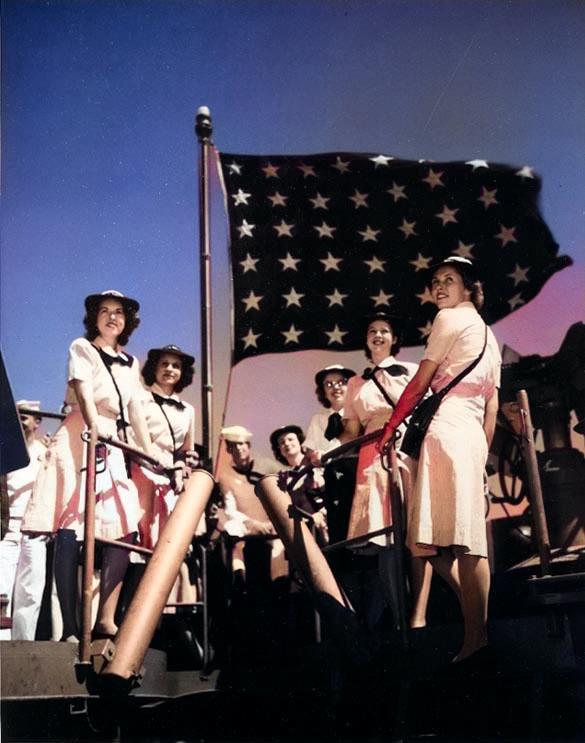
368 404
446 518
331 390
103 389
171 424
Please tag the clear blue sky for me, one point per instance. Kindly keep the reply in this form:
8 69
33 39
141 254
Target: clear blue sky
99 157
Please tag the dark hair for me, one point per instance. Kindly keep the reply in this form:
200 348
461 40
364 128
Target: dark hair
470 281
90 322
320 388
276 435
149 370
396 333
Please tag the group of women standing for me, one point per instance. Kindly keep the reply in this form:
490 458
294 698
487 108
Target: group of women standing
443 492
104 390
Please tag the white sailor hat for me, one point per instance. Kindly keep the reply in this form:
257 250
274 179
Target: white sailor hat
29 404
236 434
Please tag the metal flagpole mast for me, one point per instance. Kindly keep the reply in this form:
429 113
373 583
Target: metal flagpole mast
204 130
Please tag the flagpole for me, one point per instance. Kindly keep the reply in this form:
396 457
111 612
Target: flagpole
204 130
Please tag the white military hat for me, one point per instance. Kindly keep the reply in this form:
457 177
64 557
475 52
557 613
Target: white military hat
29 404
236 434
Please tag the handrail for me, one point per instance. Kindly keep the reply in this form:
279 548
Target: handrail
288 478
137 454
91 438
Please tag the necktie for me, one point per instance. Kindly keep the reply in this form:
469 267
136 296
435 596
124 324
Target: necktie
334 427
168 401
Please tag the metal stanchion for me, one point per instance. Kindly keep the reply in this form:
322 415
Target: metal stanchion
89 549
534 485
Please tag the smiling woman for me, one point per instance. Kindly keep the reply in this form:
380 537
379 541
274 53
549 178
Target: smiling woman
171 424
103 388
446 520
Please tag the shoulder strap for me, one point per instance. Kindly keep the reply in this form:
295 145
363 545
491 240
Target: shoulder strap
374 378
123 421
158 399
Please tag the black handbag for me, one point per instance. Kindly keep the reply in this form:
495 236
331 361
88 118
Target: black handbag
422 415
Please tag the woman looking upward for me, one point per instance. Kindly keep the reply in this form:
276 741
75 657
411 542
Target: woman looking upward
446 519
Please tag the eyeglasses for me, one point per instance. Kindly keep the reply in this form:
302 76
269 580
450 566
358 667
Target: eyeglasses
330 384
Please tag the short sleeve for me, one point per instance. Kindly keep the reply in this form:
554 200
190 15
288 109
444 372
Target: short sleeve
349 410
443 334
82 361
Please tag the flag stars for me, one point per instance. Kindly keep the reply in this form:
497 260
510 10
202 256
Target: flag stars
463 250
488 198
359 199
426 331
525 172
320 202
250 339
369 234
246 229
271 171
252 302
447 215
381 160
506 235
519 275
249 264
515 301
336 298
289 263
325 230
335 335
293 298
291 335
278 199
341 165
283 229
235 168
240 197
475 164
375 264
434 179
407 228
397 192
330 263
381 298
307 170
421 263
426 296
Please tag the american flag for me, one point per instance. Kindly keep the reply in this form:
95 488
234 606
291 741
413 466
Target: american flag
320 241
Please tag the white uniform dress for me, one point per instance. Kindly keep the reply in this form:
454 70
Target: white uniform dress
58 499
171 415
447 506
315 438
366 403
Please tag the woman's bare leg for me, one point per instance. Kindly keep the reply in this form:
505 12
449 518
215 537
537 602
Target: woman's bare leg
114 564
445 564
421 573
474 575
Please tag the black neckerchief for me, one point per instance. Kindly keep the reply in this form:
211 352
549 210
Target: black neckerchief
251 476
